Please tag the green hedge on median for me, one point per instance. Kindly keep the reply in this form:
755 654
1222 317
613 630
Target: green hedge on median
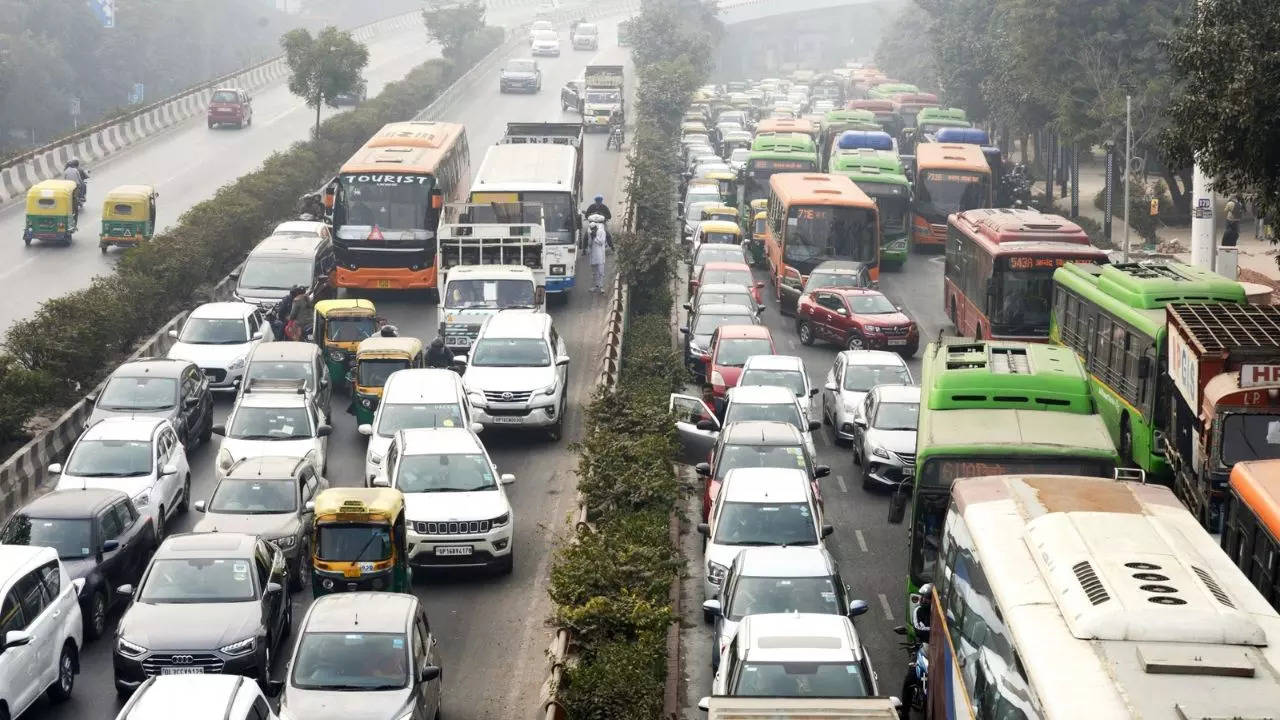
73 341
612 586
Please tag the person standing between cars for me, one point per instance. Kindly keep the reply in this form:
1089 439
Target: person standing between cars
301 313
438 355
1233 211
597 247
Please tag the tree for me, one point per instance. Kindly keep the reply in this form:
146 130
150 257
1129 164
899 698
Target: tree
323 67
452 26
1225 111
907 50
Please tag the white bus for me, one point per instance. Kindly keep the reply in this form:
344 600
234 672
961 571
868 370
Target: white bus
1091 599
537 175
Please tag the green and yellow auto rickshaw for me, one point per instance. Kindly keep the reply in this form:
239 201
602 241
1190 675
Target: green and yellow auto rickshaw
358 541
753 228
51 212
128 216
726 213
727 185
339 327
376 358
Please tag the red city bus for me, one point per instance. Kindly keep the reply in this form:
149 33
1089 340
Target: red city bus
882 109
998 277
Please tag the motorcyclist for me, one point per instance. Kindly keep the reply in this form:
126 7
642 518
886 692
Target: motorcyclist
76 174
616 125
438 354
597 208
913 681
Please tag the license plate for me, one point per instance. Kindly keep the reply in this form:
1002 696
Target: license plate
898 342
384 283
453 550
509 420
182 671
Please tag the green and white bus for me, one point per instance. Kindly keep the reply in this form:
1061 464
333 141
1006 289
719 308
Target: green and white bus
1113 317
997 407
878 173
773 153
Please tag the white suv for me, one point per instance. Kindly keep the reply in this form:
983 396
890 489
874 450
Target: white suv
415 398
140 456
517 371
201 697
40 628
456 509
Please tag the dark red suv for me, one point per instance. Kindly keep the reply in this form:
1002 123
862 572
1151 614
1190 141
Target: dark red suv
857 319
230 106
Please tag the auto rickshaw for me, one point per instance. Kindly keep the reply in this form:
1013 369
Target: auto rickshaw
727 184
339 327
376 358
51 213
128 216
358 541
721 212
753 230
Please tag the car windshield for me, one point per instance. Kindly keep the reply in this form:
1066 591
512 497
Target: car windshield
444 473
789 379
897 416
280 370
139 393
511 352
254 496
276 273
728 276
862 378
72 538
198 580
800 679
757 595
374 372
224 96
871 305
707 324
395 417
717 253
489 293
602 97
722 238
521 66
110 458
835 280
734 352
760 456
742 298
1250 437
350 329
351 661
350 542
777 412
748 523
269 423
214 331
544 35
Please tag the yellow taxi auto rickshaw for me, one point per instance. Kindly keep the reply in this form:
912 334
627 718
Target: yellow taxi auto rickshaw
717 232
376 358
339 327
753 230
128 216
721 212
51 213
727 185
358 541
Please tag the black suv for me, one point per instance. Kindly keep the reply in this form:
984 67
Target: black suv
208 603
175 390
100 537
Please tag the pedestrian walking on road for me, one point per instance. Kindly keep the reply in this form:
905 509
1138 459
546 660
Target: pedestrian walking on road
301 313
597 247
1233 211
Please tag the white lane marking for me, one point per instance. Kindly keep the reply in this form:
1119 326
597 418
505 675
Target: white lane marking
17 267
792 343
884 605
862 540
840 481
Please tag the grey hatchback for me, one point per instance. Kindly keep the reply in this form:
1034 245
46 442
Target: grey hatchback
175 390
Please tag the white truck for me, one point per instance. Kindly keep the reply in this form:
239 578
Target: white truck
799 708
487 266
603 94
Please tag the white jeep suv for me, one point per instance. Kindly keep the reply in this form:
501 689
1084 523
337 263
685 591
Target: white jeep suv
517 371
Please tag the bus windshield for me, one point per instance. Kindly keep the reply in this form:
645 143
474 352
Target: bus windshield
759 170
399 203
558 217
1022 296
942 192
828 232
892 202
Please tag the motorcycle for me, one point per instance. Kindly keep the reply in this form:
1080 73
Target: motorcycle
915 684
615 138
1016 187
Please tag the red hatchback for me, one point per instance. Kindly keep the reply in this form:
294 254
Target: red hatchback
230 106
731 345
857 319
734 273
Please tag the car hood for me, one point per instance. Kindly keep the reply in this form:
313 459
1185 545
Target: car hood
546 43
730 374
468 316
190 626
209 355
101 413
131 486
268 526
852 398
434 507
240 449
300 704
498 379
892 319
895 441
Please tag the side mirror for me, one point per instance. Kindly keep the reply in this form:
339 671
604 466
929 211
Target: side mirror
310 506
860 422
257 334
706 425
827 530
898 506
814 391
220 430
711 607
507 478
380 481
234 274
273 589
859 607
704 529
829 387
821 471
364 429
324 430
55 468
687 306
428 673
201 506
842 310
110 546
173 334
168 470
16 638
460 359
704 704
814 425
477 427
703 469
684 330
562 360
126 590
92 397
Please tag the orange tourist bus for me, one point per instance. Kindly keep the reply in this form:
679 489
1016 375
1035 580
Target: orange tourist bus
1251 534
949 178
385 204
813 218
787 125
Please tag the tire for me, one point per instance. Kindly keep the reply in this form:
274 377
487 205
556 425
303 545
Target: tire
27 240
207 433
264 672
160 528
95 620
867 483
212 124
854 342
298 578
805 331
1126 440
185 505
60 690
103 248
555 432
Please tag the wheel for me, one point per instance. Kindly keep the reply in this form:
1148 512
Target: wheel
806 332
26 240
160 527
867 483
212 124
186 495
708 617
507 564
207 433
264 672
95 620
854 342
60 691
555 432
103 248
1126 439
298 578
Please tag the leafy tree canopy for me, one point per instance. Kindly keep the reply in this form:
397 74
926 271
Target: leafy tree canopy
323 66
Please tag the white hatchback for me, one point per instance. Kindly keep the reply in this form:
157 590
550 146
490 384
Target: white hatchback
40 628
141 457
218 337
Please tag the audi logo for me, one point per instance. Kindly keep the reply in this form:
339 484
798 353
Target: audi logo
506 396
183 659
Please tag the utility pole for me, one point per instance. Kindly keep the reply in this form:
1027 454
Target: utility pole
1128 151
1202 221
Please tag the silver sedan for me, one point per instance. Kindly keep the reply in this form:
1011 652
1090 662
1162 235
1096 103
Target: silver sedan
853 373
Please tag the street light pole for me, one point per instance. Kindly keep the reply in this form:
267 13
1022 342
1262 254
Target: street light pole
1128 150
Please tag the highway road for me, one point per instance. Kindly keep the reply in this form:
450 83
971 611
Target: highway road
872 554
491 630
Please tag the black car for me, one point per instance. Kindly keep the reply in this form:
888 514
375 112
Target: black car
172 389
703 323
207 603
520 74
100 537
828 274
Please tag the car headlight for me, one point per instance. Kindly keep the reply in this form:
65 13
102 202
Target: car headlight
284 543
548 390
240 648
337 355
366 403
477 399
225 460
143 498
375 458
696 349
715 572
880 453
129 649
501 520
716 378
871 328
237 363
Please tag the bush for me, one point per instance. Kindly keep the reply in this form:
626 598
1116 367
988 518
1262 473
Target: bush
623 681
22 393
